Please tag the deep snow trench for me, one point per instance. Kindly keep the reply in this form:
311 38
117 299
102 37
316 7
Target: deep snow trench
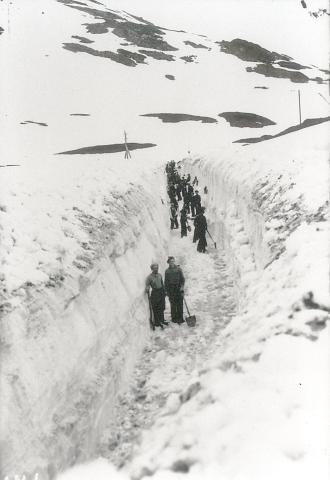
173 357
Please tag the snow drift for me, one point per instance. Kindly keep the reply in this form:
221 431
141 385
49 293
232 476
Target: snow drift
74 310
78 234
262 398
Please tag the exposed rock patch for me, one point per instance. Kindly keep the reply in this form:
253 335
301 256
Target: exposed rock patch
243 119
179 117
157 55
111 148
82 39
143 34
121 57
250 52
189 58
292 65
41 124
309 122
170 77
268 70
263 88
80 114
195 45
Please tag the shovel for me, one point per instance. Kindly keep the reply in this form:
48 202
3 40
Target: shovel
215 245
191 319
151 318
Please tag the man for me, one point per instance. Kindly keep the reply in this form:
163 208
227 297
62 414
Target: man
183 222
201 227
157 297
174 217
196 203
174 289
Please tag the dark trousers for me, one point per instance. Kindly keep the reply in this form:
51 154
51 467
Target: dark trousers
193 210
176 301
202 243
183 229
174 223
157 299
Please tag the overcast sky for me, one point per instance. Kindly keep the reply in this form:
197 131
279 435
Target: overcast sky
281 25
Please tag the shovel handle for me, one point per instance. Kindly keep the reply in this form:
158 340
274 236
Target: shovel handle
186 306
210 236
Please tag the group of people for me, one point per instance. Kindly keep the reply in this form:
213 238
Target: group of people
173 288
181 189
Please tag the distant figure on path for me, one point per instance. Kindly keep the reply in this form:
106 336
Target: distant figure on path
206 190
174 217
157 297
195 181
183 222
201 226
174 289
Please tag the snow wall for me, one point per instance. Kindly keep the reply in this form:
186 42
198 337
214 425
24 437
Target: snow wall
70 339
257 397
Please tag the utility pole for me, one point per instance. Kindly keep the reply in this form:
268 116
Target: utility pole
127 152
299 107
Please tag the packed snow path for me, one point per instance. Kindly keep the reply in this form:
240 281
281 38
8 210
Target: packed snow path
174 356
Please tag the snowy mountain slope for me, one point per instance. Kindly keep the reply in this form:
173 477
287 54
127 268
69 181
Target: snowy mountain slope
218 83
258 408
78 232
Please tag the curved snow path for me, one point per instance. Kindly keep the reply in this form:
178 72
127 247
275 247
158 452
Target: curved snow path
173 356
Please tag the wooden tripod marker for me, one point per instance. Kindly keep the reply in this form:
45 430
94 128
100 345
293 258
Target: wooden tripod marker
127 152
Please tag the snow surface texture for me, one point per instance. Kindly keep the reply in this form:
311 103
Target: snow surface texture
264 396
74 230
260 409
75 309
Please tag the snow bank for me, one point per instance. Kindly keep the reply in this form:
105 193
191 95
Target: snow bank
260 409
75 252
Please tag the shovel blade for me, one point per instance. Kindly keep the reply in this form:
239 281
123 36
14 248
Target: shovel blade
191 321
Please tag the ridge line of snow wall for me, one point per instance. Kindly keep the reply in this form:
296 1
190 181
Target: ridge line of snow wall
260 214
261 391
68 350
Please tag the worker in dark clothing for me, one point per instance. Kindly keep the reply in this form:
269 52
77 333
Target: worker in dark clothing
174 289
183 222
201 226
196 203
174 217
178 191
205 190
157 297
195 237
195 181
171 191
188 198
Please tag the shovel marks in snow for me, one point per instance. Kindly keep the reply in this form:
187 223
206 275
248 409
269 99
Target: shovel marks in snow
162 380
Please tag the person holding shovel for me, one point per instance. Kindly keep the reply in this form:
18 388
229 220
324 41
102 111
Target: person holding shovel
174 289
201 227
157 297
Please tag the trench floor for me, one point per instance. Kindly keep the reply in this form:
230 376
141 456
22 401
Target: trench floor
173 357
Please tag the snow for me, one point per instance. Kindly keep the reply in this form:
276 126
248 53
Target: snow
78 234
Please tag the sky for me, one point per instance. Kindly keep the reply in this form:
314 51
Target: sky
281 25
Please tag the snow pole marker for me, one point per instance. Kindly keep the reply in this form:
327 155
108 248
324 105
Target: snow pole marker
299 103
127 152
215 245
